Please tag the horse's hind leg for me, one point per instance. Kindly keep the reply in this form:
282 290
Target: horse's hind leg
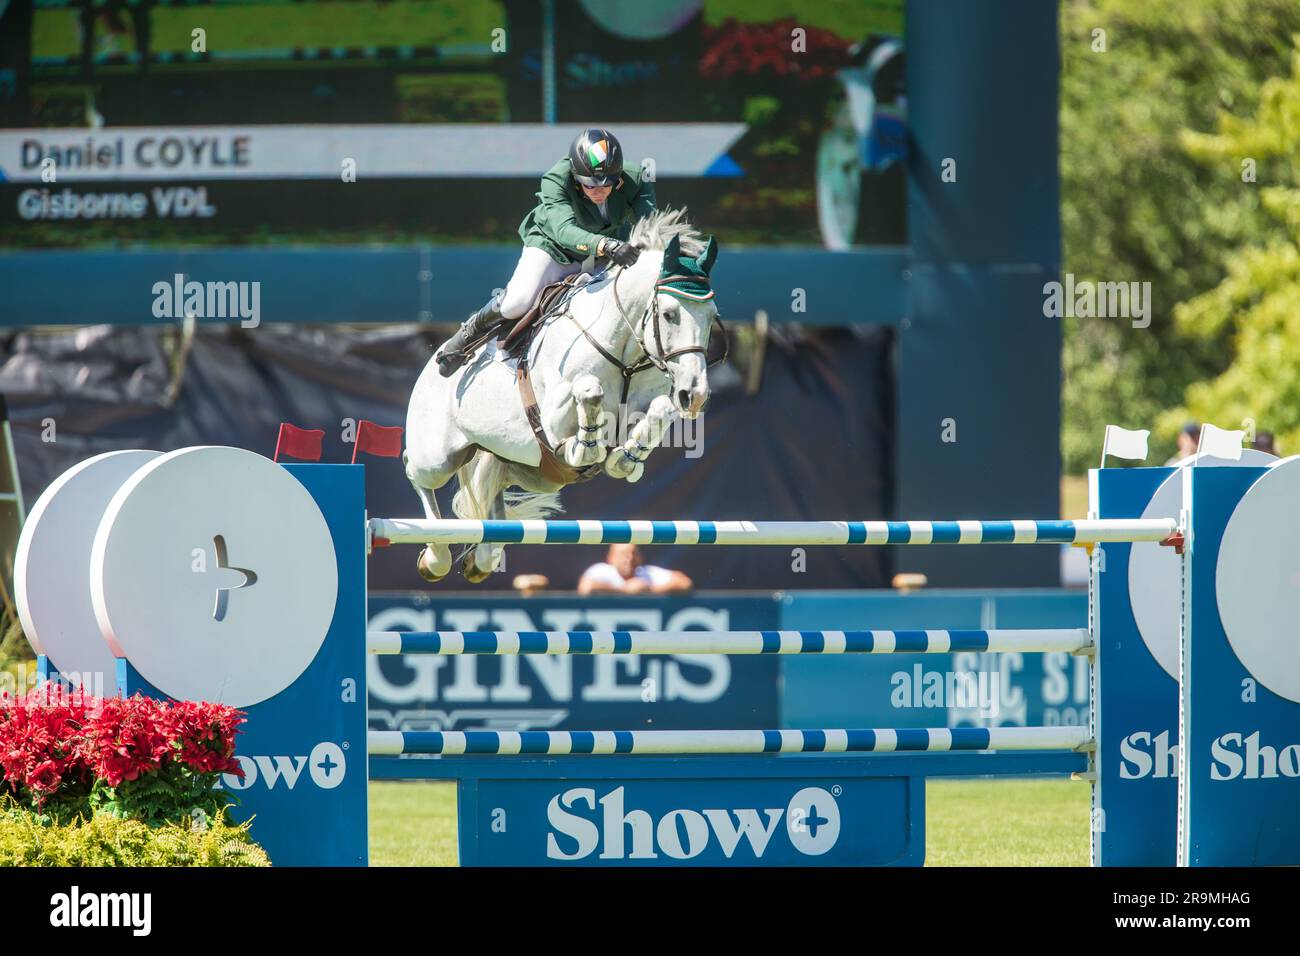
435 560
483 559
482 495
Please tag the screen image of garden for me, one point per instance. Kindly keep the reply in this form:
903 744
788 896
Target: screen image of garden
771 147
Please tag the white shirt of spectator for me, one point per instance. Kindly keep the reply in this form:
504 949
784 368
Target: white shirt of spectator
603 572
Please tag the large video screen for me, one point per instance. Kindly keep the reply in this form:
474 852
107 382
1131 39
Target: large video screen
344 121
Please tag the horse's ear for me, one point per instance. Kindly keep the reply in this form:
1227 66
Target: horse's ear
710 254
672 251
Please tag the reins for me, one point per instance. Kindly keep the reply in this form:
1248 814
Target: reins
654 318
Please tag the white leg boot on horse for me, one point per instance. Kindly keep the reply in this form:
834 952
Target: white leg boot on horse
587 446
628 459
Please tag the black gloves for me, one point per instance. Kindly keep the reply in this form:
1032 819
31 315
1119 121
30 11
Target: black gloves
623 253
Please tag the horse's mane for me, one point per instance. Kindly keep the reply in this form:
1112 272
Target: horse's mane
656 230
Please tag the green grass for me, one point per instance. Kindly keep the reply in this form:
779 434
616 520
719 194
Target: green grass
329 24
254 26
968 823
243 27
413 823
851 19
1007 823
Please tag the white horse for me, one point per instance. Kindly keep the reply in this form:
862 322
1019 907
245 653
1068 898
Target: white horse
472 425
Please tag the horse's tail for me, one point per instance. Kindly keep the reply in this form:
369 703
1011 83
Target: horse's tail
520 505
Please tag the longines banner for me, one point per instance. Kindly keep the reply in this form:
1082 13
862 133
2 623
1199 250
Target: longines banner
537 692
627 692
429 151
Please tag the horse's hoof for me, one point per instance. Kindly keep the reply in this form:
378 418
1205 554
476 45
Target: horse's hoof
472 572
430 568
615 464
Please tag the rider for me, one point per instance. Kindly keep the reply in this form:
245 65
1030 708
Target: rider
587 204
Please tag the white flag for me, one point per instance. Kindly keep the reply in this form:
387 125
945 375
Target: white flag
1125 443
1218 443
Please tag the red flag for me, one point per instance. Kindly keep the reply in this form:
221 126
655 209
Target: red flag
301 443
377 440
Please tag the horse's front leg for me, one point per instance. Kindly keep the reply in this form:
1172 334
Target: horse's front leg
628 459
586 448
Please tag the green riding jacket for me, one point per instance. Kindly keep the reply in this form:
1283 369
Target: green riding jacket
567 225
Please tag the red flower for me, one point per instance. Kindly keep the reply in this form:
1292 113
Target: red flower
205 734
38 743
766 50
55 745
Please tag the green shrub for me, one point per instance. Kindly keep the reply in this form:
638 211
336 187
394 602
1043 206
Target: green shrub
29 839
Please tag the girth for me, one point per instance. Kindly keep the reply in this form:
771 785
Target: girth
517 342
551 467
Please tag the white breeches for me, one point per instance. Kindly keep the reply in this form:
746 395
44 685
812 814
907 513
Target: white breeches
534 270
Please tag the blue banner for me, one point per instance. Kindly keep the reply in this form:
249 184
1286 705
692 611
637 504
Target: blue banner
597 692
936 690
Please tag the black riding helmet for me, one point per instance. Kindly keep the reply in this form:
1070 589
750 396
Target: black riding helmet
596 158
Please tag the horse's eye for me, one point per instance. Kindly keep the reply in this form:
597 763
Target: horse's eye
673 316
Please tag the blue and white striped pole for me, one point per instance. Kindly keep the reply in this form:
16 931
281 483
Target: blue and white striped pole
785 533
1068 640
558 742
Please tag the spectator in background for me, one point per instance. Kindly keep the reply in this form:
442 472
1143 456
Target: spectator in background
1264 442
1188 441
623 572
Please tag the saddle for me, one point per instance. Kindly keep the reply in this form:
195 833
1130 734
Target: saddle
549 298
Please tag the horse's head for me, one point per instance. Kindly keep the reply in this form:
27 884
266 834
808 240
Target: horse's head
681 313
687 320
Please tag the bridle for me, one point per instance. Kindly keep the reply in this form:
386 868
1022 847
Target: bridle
551 467
654 319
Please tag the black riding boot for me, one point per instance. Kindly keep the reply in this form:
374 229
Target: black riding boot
453 353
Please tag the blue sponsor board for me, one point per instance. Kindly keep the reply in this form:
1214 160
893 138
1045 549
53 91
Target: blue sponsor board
1239 751
1138 719
643 811
936 690
539 692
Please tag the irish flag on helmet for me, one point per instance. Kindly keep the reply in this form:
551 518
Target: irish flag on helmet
597 152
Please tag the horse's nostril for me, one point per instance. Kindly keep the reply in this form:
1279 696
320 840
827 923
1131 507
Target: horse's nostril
683 398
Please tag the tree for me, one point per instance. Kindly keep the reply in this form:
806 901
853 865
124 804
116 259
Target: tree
1257 305
1138 206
